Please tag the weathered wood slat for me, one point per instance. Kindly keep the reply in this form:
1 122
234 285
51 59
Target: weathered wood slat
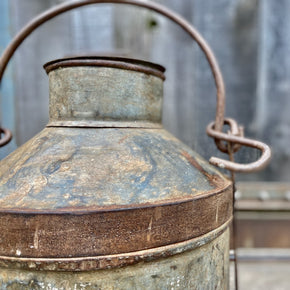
70 33
272 115
7 86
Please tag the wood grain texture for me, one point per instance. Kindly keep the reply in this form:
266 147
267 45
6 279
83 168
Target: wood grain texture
273 118
71 33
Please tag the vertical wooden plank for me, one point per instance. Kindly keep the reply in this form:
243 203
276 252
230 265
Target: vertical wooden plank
31 83
148 35
230 27
86 29
92 29
177 52
7 87
273 118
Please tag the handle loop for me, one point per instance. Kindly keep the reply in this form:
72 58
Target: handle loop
6 138
236 140
51 13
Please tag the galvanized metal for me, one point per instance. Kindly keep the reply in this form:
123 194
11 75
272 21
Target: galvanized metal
183 271
100 197
80 92
63 194
109 61
104 186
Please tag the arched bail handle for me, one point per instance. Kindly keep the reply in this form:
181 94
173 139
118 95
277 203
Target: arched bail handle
51 13
239 140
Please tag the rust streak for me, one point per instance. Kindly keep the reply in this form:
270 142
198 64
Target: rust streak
213 180
193 162
123 139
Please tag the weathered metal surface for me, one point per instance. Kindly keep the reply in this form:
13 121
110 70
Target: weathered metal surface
74 196
182 271
92 198
108 61
105 89
132 164
74 167
140 188
89 263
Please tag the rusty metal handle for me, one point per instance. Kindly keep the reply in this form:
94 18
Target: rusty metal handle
51 13
6 138
237 138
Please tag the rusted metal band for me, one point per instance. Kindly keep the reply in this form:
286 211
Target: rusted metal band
111 261
186 26
6 138
146 67
98 231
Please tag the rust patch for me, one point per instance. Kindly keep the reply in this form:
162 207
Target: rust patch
123 139
90 263
112 232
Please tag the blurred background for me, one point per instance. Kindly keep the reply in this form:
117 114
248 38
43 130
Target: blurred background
251 40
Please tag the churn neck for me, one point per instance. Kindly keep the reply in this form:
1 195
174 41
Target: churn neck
105 92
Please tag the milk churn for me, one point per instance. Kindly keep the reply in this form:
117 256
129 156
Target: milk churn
104 197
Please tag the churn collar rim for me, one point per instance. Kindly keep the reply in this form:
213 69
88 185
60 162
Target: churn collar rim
107 61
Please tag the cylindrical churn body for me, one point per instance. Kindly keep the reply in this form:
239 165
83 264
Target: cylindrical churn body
104 197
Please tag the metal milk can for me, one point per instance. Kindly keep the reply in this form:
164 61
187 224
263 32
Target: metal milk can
104 197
